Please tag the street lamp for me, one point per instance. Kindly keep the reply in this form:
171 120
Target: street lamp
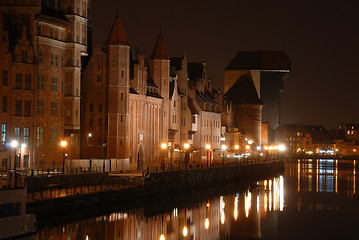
14 145
63 145
208 146
163 146
186 146
224 147
104 145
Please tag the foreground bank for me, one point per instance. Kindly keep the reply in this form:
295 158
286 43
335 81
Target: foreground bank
107 188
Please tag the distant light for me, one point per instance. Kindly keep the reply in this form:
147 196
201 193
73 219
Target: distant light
224 147
265 147
87 237
247 147
206 223
223 139
281 148
23 145
162 237
90 134
185 231
186 146
63 143
236 147
208 146
250 142
163 145
14 144
259 148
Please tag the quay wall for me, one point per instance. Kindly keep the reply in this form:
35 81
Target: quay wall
176 180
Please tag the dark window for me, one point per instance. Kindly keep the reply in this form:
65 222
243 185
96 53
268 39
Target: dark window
52 59
18 108
40 82
53 108
53 136
18 80
10 210
56 60
26 161
5 78
100 108
98 78
4 104
40 107
91 122
27 108
53 84
91 107
100 122
121 96
27 81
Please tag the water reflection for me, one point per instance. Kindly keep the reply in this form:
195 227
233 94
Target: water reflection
277 207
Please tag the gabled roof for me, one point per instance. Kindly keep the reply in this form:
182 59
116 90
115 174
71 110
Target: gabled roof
117 35
160 50
260 60
243 92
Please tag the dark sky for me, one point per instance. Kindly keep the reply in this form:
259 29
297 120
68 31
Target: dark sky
320 37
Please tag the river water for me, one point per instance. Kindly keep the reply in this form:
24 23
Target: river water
314 199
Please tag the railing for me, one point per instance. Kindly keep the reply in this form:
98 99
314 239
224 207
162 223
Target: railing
202 165
12 179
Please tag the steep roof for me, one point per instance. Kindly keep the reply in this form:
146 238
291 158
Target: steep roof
160 50
244 92
260 60
117 35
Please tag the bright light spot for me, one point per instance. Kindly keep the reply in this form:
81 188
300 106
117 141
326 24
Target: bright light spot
87 237
259 148
224 147
236 147
185 231
247 147
223 218
162 237
186 146
247 203
281 148
163 145
208 146
206 223
281 193
90 134
265 147
250 142
14 144
63 143
23 145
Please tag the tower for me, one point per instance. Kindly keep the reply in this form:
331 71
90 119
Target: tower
160 72
117 92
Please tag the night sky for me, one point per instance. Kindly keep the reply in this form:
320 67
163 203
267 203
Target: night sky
320 37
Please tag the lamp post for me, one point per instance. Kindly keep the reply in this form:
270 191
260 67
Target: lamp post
224 147
63 145
163 146
104 145
186 146
14 145
208 146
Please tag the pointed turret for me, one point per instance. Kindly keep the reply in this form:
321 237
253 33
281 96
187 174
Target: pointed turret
117 35
160 50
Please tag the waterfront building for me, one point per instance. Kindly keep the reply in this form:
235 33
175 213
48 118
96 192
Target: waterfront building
41 44
309 139
267 70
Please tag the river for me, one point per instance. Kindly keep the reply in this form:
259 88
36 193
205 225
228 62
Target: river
314 199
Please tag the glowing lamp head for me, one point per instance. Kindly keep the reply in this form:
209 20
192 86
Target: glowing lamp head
236 147
63 143
162 237
164 145
90 134
208 146
14 144
281 148
206 223
247 147
224 147
250 142
186 146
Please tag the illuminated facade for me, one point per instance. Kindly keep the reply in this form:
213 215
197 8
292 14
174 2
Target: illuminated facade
42 43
